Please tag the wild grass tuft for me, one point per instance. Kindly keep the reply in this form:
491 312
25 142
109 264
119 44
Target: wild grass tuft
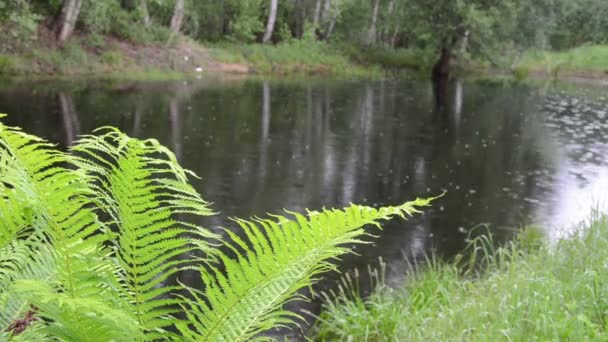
526 291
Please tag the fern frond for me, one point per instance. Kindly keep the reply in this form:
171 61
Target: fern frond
77 319
52 208
16 214
282 256
22 259
58 196
142 187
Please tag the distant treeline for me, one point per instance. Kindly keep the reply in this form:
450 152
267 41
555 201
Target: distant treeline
488 28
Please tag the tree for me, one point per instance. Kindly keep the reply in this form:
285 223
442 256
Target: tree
66 23
143 7
178 16
448 21
272 17
372 32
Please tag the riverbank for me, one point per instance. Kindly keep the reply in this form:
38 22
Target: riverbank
95 56
586 62
528 291
178 57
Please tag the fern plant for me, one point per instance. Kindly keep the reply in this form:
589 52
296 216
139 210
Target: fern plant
92 242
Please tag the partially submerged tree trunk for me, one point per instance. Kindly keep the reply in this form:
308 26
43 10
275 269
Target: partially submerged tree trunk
371 33
441 69
272 17
178 16
440 78
66 23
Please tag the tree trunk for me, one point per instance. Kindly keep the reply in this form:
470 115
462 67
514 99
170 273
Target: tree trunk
272 17
143 7
386 34
317 17
332 24
300 16
440 78
393 41
67 19
464 43
371 33
441 69
178 16
325 11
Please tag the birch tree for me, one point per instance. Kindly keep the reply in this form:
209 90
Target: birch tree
66 23
373 27
178 16
272 17
143 7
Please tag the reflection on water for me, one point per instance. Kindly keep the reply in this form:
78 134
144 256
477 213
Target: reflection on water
507 154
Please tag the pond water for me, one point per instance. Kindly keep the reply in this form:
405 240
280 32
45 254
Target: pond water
508 154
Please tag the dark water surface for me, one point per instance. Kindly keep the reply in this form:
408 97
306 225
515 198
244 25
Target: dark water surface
508 154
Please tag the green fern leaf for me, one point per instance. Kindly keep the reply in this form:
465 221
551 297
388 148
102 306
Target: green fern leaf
60 207
143 188
77 319
52 207
22 259
282 256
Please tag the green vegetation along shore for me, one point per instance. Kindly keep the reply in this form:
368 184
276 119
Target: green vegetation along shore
550 38
185 57
527 290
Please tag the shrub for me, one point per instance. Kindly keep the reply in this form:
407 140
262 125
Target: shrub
111 58
521 72
100 16
93 237
96 40
7 64
17 22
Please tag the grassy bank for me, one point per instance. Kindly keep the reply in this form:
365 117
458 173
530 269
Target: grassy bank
297 56
528 291
166 57
589 61
107 56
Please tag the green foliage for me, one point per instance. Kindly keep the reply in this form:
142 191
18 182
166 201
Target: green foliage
295 56
70 57
499 31
111 58
18 24
391 58
96 40
521 73
525 290
247 23
7 64
592 57
94 239
100 16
